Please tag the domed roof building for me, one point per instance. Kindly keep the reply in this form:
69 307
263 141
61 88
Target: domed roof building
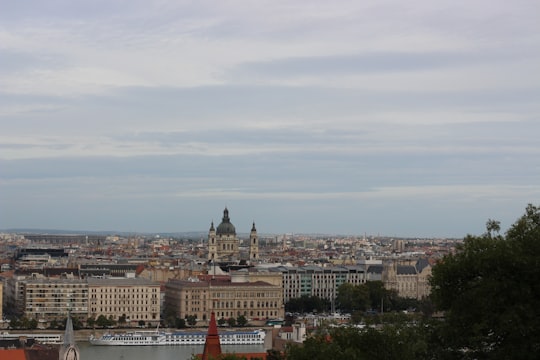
226 227
223 245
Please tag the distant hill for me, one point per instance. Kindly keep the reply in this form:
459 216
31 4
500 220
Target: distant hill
103 232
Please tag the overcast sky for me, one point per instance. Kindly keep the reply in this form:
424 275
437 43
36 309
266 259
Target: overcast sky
399 118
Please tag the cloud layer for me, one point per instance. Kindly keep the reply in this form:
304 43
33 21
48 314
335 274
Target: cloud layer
413 119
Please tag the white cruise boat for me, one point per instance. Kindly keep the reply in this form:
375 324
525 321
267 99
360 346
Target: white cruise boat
41 338
142 338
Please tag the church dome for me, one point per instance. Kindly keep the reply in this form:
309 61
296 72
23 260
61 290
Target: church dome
226 228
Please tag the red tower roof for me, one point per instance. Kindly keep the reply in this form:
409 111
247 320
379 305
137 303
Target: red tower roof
212 346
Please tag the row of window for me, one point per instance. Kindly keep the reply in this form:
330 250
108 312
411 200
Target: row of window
252 304
117 296
132 316
251 294
228 314
124 290
116 302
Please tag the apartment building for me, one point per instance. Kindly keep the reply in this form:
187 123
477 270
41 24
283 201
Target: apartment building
318 281
48 299
135 298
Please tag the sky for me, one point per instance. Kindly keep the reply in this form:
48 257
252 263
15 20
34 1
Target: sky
398 118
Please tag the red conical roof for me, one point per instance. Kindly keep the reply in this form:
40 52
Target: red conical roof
212 346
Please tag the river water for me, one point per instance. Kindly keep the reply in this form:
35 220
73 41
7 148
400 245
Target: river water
182 352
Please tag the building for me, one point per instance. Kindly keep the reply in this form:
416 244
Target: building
225 296
107 270
52 299
410 281
318 281
136 300
223 244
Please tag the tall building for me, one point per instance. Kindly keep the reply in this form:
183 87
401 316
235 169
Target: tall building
223 244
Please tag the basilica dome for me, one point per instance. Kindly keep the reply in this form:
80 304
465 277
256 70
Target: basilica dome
226 228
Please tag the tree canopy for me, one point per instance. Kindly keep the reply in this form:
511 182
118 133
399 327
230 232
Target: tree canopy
490 292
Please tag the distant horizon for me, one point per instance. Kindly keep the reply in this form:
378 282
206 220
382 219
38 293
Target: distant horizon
22 231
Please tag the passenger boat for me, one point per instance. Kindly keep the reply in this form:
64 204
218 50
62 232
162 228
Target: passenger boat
41 338
142 338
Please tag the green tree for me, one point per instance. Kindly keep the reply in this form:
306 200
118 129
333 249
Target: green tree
53 324
122 320
111 321
180 323
32 324
351 298
102 321
77 324
191 320
24 323
307 303
390 342
91 322
489 291
14 323
231 321
221 321
241 321
273 354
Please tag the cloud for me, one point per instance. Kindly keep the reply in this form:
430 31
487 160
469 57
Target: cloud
302 113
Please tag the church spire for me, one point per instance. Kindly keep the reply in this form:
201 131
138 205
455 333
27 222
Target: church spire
69 337
226 216
69 350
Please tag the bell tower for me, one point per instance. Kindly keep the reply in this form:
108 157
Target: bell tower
253 244
212 243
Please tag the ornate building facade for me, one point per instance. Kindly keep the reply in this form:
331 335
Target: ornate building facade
227 297
223 244
410 281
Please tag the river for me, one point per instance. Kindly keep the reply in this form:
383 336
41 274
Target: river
92 352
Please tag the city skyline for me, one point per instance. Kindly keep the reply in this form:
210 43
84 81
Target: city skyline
414 119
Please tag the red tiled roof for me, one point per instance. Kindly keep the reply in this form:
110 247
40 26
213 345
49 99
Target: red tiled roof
12 354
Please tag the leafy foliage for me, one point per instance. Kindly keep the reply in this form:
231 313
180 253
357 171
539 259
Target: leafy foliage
191 320
307 303
241 321
390 342
489 290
